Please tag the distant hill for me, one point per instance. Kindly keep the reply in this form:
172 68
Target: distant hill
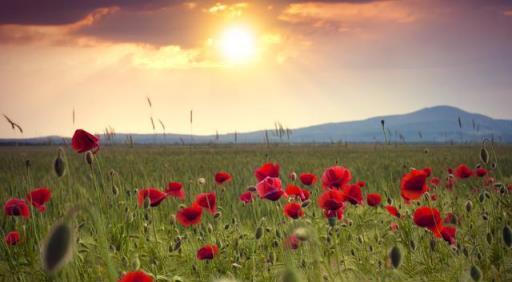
438 124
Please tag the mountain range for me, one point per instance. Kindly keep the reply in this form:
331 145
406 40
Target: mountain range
439 124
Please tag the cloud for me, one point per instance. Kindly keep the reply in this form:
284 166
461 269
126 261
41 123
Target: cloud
343 15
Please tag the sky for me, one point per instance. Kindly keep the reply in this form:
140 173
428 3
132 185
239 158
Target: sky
242 66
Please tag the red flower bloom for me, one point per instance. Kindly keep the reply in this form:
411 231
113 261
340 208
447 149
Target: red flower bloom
373 199
267 170
335 213
16 207
393 226
413 184
136 276
331 200
448 219
155 196
433 197
307 178
428 218
450 182
481 172
38 197
207 252
353 194
435 181
292 242
293 210
336 177
12 238
392 211
83 141
302 194
270 188
175 189
221 177
463 171
207 201
448 233
189 216
246 197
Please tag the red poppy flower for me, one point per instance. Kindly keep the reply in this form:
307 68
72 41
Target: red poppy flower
207 201
155 196
509 187
373 199
435 181
12 238
448 219
207 252
489 180
335 213
353 194
448 233
481 172
136 276
292 190
267 170
307 179
450 170
246 197
292 242
38 197
463 171
221 177
393 226
175 189
83 141
428 218
392 211
336 177
16 207
413 184
189 216
270 188
433 197
450 182
331 200
293 210
428 171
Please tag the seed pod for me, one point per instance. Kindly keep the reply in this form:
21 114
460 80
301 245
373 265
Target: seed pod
475 272
484 155
489 238
433 244
259 233
301 233
115 190
507 236
395 255
469 206
218 214
89 157
57 247
58 165
481 197
494 165
210 228
251 188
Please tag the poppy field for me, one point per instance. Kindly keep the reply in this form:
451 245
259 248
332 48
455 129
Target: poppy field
256 213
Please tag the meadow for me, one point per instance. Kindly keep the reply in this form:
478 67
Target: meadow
113 234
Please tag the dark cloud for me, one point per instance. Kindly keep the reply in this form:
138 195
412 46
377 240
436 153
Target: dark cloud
58 12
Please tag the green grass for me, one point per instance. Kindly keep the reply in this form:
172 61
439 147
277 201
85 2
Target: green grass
113 235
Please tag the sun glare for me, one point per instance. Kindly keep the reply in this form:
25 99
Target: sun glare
237 44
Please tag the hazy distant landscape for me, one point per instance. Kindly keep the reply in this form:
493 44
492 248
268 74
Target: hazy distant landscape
438 124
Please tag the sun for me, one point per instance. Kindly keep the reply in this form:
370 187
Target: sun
237 44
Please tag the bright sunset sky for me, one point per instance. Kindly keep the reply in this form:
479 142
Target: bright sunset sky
244 65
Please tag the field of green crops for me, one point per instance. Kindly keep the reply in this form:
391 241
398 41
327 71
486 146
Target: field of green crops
114 235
